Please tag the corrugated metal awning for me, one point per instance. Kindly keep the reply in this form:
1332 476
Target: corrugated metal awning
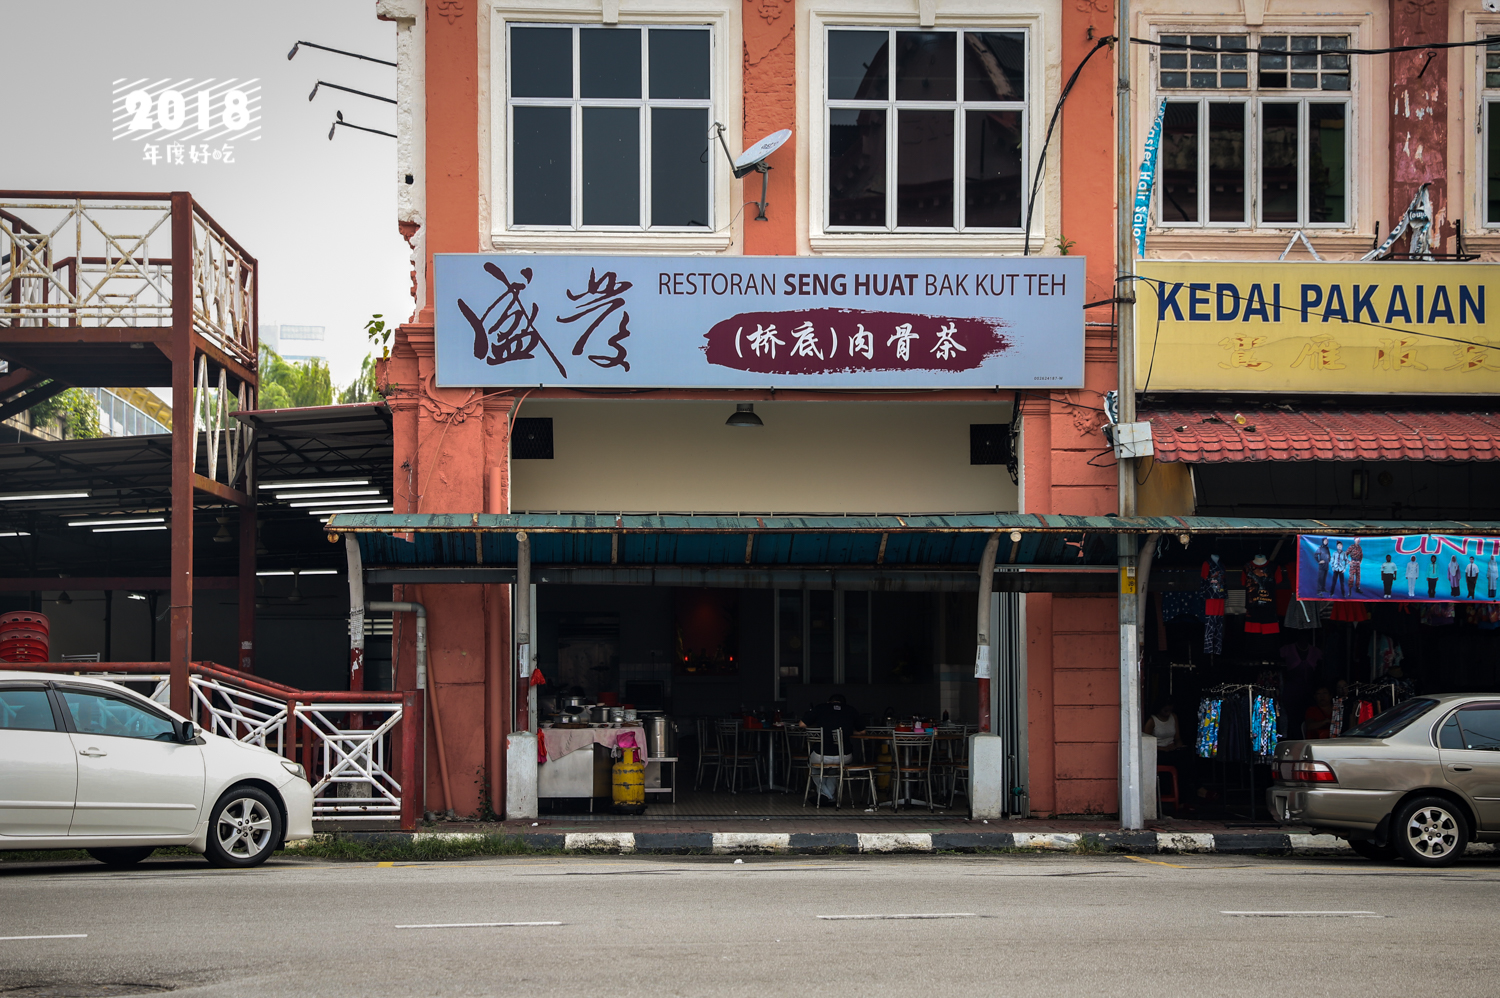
1212 436
888 542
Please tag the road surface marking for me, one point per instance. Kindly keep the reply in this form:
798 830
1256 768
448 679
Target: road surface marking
385 864
474 925
859 918
74 935
1303 914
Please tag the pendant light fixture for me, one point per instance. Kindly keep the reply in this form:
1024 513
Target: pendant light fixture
744 415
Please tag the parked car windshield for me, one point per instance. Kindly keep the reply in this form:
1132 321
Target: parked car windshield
1387 724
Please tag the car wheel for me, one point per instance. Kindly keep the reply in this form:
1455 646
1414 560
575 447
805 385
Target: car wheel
122 855
243 828
1369 850
1429 831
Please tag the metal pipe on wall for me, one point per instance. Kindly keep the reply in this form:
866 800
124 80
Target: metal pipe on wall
496 686
431 696
523 630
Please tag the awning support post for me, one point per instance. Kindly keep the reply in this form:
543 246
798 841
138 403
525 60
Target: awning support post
356 613
521 744
986 749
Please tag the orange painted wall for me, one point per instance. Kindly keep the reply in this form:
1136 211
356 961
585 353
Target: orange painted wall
770 80
1071 641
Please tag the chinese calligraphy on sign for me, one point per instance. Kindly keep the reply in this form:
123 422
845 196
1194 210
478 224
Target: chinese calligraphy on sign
749 342
604 295
513 335
1242 352
1470 357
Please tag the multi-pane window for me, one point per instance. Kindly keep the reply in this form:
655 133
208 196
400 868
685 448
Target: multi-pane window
609 127
1255 153
1492 131
926 129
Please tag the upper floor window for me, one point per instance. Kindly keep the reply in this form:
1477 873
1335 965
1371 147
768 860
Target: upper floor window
926 129
609 127
1491 122
1256 152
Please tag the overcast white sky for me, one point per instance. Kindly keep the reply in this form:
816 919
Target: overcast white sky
319 215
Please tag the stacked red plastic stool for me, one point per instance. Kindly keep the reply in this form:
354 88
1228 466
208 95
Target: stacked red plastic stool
24 637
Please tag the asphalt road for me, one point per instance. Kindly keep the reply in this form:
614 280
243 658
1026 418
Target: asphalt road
700 926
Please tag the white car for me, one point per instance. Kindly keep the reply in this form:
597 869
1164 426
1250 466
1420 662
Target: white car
89 764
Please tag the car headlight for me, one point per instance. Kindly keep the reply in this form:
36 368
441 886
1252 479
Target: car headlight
295 768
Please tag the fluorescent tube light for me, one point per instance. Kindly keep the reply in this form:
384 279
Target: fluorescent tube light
336 494
358 509
324 484
117 521
124 530
29 496
341 501
15 533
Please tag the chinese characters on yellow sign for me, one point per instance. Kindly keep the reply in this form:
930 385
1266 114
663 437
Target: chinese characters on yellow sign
1316 327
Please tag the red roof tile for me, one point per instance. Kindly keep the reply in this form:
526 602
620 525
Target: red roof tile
1213 436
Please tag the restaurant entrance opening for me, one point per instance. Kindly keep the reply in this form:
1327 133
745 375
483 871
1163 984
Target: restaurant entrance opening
716 683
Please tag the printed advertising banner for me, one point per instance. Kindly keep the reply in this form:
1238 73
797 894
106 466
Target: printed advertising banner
1421 568
1317 327
755 322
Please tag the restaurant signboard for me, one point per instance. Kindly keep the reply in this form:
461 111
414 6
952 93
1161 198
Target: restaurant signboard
755 322
1372 328
1410 568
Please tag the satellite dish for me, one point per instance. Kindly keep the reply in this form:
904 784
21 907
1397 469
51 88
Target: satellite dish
758 153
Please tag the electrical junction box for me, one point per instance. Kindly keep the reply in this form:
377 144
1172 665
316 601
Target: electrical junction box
1133 440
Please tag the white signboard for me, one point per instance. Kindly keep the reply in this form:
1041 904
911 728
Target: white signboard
754 322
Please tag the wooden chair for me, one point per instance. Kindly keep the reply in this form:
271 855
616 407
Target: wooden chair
853 772
795 740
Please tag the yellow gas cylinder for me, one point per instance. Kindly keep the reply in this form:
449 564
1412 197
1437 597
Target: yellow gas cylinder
629 790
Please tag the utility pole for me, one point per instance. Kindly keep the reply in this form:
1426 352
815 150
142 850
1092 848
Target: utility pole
1130 689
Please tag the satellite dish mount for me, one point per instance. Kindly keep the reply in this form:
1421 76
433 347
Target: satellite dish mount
753 160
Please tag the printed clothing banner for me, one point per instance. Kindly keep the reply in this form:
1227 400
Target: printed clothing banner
1420 568
1317 327
755 322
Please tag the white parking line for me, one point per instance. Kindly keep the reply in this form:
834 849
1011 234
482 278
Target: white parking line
862 918
474 925
71 935
1303 914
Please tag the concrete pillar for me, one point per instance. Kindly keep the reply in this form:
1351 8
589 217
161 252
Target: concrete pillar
520 775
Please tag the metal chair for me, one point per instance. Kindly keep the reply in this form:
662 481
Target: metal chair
735 755
708 753
954 763
853 772
911 763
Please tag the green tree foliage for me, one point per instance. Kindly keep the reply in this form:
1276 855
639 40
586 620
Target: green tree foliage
362 388
285 385
75 410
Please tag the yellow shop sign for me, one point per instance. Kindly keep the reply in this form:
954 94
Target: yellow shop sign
1317 327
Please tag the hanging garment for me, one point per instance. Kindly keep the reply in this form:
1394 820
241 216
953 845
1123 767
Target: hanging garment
1208 727
1365 713
1437 614
1260 599
1234 728
1263 725
1213 635
1336 722
1174 605
1304 615
1212 589
1349 612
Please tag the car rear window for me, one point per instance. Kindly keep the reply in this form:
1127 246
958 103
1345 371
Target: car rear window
26 709
1387 724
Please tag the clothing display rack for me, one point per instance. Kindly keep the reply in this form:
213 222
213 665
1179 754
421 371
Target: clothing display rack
1241 781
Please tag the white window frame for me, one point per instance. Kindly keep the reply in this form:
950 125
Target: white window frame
643 106
814 19
1488 97
1254 99
892 106
721 17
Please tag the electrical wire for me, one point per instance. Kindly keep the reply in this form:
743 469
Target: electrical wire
1041 163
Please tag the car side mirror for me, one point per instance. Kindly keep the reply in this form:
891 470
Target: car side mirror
186 732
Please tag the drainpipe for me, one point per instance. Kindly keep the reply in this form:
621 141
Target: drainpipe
982 652
523 630
437 720
356 614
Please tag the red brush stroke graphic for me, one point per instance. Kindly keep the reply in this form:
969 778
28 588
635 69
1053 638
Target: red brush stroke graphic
849 341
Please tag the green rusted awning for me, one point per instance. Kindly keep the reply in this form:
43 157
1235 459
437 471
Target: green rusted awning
913 543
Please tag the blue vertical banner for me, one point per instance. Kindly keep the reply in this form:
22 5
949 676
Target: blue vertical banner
1145 181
